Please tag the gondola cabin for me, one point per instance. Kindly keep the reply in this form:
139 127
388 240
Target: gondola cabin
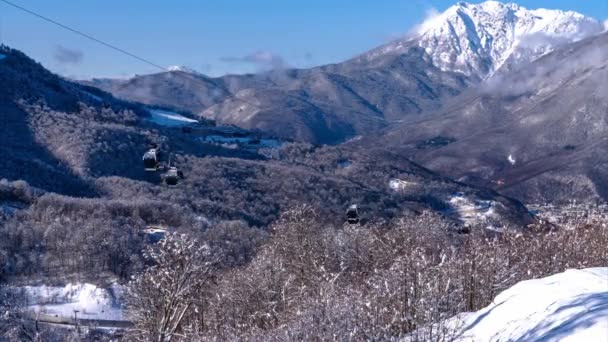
173 175
150 159
352 214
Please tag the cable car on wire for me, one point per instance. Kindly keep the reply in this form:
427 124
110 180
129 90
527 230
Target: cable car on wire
151 159
352 214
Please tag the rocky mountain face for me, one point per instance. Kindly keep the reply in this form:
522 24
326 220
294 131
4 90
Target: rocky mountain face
480 39
445 55
538 133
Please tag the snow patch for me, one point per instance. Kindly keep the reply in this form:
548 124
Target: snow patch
182 69
397 184
471 211
511 159
169 119
91 301
569 306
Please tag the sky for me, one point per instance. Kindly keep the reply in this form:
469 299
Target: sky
216 37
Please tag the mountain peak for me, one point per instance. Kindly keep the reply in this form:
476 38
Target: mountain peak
182 69
478 39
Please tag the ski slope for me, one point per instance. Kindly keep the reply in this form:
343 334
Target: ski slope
90 301
170 119
569 306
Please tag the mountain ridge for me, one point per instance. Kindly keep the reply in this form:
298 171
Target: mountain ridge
396 82
537 134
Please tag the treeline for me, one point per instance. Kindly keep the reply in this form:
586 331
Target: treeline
312 281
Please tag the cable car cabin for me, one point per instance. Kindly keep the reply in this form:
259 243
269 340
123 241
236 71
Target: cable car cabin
173 176
352 214
151 160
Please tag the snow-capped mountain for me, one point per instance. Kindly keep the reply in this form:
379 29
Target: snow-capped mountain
447 54
479 39
182 69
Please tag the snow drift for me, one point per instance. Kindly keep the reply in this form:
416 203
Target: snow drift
569 306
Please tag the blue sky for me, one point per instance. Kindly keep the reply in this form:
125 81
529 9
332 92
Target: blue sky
219 36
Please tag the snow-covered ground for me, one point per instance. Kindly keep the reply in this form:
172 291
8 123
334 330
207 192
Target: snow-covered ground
170 119
470 211
91 301
397 184
569 306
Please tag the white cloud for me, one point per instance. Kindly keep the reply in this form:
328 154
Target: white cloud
430 20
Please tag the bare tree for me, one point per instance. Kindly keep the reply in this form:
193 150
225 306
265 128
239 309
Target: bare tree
163 301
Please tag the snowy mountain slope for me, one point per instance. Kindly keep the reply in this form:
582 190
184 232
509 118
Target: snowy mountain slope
569 306
537 133
478 39
397 82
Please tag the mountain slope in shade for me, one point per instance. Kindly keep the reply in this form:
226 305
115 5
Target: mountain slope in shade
537 134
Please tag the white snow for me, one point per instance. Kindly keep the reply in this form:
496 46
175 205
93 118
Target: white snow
182 68
569 306
397 184
477 39
511 159
471 211
155 230
170 119
91 301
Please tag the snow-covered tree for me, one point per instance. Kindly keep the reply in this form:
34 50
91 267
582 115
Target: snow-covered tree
164 302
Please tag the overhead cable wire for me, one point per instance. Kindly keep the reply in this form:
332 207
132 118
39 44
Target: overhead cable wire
80 33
